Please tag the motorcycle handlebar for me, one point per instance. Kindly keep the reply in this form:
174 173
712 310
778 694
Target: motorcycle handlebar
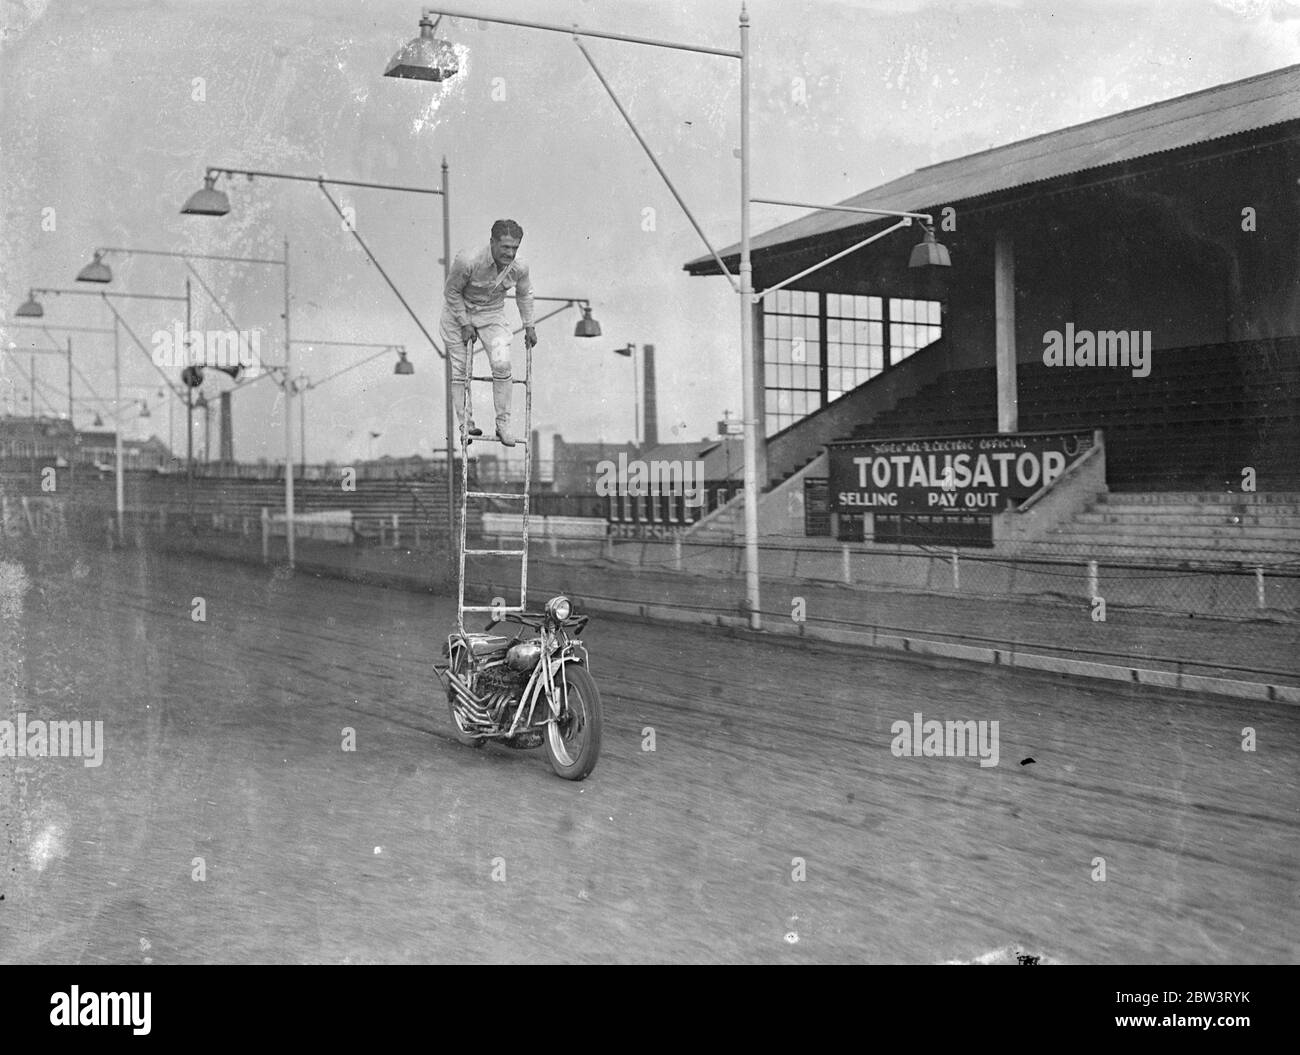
578 623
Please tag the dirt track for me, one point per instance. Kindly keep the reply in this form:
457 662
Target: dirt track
223 742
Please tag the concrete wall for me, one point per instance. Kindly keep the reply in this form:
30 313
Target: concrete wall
1076 489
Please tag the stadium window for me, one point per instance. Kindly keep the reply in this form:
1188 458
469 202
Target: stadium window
818 347
855 341
913 324
792 356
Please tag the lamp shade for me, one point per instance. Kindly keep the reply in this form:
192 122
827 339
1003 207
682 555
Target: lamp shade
404 365
625 351
426 58
207 202
96 271
930 253
30 308
587 326
144 410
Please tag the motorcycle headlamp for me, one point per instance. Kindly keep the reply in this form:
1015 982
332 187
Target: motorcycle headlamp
558 609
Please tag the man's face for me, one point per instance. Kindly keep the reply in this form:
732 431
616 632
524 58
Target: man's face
504 250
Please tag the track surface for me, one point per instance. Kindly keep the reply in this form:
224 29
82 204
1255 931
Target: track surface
223 741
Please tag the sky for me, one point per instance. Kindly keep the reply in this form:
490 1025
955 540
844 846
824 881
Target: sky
111 111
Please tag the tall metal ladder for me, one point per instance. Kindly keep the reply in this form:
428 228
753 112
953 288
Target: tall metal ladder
466 494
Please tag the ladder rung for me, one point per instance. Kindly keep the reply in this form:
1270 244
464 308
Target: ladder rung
498 552
494 494
491 608
513 380
485 438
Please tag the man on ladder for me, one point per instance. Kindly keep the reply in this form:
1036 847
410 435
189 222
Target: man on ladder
475 301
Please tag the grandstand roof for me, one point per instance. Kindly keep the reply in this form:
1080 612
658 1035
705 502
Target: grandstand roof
1200 117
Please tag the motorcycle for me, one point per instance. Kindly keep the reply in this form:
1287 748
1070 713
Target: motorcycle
528 690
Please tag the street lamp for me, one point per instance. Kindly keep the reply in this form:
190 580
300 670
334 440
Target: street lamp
99 272
304 384
742 287
211 202
32 308
426 58
587 326
928 253
630 352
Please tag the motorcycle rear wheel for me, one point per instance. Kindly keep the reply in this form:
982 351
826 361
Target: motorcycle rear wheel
573 739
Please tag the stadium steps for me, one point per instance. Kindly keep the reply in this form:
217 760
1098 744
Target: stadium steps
1181 526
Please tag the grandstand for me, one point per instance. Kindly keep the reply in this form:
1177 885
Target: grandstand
1175 223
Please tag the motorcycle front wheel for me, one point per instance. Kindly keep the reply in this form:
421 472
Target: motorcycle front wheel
573 739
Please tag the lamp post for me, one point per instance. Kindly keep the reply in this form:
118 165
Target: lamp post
100 273
403 367
427 58
33 309
72 461
208 201
630 351
431 59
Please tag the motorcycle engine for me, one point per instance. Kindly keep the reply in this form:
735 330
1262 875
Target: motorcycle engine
500 687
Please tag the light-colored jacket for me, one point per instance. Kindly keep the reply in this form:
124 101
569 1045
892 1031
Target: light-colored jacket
474 286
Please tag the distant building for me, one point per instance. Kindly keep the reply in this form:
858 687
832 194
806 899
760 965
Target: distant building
575 465
47 441
98 447
53 441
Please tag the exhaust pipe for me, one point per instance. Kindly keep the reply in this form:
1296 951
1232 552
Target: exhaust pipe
472 707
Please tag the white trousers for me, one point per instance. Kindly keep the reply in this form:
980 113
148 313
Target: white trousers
495 337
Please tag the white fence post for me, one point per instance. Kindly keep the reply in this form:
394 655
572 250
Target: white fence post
956 570
266 535
397 533
1259 586
846 569
1092 580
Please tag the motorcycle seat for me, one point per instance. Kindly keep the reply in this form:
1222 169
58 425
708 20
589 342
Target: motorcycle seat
486 644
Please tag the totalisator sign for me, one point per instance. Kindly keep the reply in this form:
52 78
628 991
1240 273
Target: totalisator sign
942 474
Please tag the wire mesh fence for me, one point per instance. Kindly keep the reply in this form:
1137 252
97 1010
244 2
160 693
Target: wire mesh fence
1212 585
